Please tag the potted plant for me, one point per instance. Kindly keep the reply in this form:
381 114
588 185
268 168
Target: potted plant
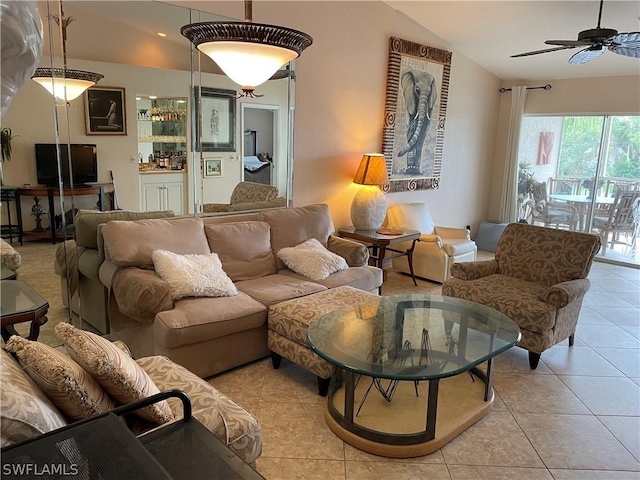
5 149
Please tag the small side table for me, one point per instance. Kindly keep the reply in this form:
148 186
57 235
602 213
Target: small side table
379 245
21 303
9 230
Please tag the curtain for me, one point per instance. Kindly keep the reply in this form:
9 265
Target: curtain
508 205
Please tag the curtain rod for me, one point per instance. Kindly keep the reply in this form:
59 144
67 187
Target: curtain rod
545 87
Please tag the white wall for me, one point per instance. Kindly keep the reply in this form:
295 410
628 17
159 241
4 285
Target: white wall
340 95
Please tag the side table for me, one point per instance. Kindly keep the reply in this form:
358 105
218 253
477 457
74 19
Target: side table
379 245
9 230
21 303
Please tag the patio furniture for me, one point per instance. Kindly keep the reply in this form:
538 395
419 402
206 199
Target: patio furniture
538 279
623 219
549 212
565 186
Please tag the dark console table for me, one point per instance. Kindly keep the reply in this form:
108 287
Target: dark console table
99 189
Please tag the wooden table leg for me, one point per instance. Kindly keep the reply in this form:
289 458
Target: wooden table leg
34 331
410 261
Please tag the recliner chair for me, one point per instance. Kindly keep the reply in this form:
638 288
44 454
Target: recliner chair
438 248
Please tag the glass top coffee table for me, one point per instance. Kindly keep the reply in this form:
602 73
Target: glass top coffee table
406 365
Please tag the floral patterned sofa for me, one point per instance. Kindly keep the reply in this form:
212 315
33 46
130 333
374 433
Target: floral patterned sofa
538 279
248 196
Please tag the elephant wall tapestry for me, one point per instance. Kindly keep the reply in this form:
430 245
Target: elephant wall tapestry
415 113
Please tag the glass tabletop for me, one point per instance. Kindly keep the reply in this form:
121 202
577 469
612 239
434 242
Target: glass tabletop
18 297
412 337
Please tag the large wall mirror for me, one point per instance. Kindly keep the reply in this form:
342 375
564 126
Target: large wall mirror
143 151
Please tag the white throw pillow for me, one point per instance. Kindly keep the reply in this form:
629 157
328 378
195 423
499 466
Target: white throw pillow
312 260
193 275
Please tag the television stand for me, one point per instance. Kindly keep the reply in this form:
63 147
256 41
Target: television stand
99 189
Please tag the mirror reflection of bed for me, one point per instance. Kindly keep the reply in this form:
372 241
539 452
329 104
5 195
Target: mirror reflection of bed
257 165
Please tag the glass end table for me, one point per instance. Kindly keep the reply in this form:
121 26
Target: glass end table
21 303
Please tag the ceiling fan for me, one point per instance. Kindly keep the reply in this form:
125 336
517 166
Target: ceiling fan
596 41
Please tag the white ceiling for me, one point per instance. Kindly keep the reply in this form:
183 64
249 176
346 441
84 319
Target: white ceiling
488 32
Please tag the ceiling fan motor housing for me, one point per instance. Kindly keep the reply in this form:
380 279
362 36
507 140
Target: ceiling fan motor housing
596 35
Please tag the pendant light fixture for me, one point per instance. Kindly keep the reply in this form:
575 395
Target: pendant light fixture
248 53
64 83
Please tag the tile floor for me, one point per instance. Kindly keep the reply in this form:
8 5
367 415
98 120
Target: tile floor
576 417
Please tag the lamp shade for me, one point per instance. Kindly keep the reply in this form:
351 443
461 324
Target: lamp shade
248 53
372 170
65 84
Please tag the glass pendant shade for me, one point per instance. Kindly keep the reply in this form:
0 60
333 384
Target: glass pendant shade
66 84
248 53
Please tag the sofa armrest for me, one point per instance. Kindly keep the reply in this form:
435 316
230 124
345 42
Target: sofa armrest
215 207
139 293
561 294
449 232
474 270
356 254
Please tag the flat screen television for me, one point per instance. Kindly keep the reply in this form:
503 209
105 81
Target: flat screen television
84 164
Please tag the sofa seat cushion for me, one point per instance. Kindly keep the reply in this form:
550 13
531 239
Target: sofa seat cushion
291 319
517 299
363 278
227 420
456 246
277 288
25 411
195 320
244 248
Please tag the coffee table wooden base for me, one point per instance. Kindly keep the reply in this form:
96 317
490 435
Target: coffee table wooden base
460 405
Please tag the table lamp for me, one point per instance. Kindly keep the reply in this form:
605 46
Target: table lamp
369 206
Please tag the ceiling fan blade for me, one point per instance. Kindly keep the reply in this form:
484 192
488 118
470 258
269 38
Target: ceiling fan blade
586 55
628 40
536 52
626 51
569 43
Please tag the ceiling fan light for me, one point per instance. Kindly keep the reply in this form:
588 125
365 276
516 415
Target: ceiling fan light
64 84
247 64
248 53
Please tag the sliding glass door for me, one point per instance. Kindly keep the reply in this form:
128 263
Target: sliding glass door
583 173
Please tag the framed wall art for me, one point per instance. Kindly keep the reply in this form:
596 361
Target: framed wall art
216 119
105 111
212 167
415 114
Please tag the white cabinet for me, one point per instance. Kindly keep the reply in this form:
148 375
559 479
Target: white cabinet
162 191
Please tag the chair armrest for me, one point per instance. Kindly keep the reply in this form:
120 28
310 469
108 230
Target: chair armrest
561 294
215 207
140 293
474 270
356 254
449 232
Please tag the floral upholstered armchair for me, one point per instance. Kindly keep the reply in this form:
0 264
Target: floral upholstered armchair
248 196
538 279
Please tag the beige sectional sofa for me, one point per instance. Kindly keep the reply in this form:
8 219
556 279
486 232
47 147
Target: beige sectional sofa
204 334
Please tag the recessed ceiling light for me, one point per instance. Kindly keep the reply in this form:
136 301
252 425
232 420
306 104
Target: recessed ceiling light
161 34
153 97
138 98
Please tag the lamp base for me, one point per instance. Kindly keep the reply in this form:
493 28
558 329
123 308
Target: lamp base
368 208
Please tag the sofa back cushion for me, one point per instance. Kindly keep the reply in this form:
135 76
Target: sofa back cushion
547 256
248 192
86 223
131 244
25 411
292 226
244 249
